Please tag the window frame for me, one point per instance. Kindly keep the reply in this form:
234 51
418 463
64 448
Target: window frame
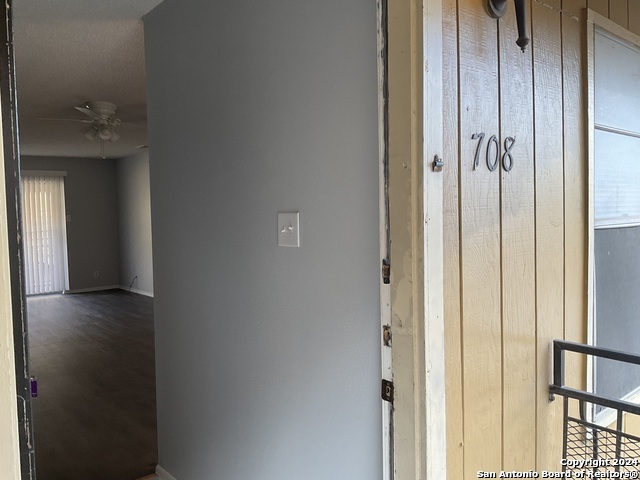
598 23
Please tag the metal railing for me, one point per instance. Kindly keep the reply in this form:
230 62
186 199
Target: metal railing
588 446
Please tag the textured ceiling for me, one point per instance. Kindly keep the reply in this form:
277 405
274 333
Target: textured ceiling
69 52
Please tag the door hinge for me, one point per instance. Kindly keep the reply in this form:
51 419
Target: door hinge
387 391
386 272
386 335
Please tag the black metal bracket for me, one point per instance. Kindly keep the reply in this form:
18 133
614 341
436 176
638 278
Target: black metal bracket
387 391
558 387
497 8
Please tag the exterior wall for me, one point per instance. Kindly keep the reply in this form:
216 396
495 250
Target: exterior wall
515 242
625 13
134 220
92 231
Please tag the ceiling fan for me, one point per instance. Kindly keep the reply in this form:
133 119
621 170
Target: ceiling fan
102 121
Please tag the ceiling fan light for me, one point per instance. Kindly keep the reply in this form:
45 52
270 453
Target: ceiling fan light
114 136
104 132
91 133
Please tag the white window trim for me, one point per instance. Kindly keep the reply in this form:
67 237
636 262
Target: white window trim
617 223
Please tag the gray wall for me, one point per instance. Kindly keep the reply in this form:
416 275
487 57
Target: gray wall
92 233
617 264
134 216
268 358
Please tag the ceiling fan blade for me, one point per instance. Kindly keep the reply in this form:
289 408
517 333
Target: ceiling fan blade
65 119
87 111
134 124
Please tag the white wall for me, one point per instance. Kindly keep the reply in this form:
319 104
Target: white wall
268 361
134 220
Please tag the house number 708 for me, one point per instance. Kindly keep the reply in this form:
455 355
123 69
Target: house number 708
492 154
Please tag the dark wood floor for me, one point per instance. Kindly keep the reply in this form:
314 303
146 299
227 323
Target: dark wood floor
93 356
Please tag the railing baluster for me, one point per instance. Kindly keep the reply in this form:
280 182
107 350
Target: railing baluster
619 439
595 449
566 431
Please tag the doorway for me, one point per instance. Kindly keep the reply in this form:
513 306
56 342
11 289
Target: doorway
107 309
91 349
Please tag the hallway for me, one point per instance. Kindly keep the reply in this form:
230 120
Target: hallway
93 357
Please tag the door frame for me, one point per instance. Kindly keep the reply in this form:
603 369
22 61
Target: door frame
11 289
416 229
9 441
382 7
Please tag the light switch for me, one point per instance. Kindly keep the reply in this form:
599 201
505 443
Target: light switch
289 229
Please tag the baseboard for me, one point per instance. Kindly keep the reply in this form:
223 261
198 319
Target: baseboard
135 290
93 289
163 474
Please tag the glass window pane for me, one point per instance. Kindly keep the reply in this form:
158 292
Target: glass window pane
617 77
617 179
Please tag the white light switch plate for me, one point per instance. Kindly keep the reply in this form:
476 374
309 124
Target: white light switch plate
289 229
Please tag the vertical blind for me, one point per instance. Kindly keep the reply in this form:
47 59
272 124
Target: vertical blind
44 232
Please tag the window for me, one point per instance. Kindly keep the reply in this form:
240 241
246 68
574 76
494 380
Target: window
617 133
616 214
44 232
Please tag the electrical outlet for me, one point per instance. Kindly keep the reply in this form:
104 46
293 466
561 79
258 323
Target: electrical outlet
96 274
